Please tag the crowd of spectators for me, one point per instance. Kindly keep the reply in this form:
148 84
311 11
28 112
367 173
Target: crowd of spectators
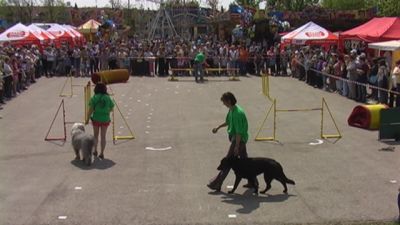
346 74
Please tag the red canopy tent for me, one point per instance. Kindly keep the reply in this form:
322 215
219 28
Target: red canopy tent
62 34
50 39
20 34
375 30
310 34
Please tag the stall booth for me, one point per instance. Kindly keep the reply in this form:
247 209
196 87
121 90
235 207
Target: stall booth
89 29
375 30
50 39
20 35
64 36
310 34
391 46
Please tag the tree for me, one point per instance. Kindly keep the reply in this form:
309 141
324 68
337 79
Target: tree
344 4
115 4
213 5
21 10
56 11
388 7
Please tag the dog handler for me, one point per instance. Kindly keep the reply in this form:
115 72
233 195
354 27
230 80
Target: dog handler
100 106
238 135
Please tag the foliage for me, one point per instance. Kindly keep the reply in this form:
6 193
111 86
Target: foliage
291 5
384 7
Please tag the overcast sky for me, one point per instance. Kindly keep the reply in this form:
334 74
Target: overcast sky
135 3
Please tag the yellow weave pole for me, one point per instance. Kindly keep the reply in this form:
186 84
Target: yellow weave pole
87 95
115 137
265 85
257 138
69 79
326 136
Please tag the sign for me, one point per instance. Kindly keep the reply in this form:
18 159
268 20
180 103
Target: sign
16 34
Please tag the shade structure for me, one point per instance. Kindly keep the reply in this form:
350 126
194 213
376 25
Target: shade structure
392 46
49 38
78 36
386 45
91 26
20 34
310 33
375 30
61 33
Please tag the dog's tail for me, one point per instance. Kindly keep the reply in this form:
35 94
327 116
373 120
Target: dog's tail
289 181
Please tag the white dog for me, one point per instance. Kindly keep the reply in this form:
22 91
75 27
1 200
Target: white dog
82 142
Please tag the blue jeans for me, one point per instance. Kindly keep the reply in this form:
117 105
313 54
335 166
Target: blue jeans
198 71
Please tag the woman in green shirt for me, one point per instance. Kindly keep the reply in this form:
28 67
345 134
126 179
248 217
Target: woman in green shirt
100 106
236 121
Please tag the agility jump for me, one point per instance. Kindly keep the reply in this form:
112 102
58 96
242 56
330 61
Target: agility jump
275 110
108 77
174 70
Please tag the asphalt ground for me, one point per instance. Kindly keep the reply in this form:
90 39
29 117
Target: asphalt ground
337 182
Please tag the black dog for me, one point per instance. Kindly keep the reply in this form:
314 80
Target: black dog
249 168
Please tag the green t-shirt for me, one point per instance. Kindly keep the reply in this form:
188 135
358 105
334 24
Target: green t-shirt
237 123
199 57
102 105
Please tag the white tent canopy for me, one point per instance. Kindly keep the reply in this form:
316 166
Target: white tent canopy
41 31
310 33
386 45
20 33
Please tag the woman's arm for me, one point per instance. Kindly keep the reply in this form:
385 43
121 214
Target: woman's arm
89 113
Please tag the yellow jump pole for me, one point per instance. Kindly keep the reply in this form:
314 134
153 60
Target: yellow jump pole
339 135
274 119
113 127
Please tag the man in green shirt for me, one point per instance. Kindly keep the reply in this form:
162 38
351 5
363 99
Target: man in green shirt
198 65
236 122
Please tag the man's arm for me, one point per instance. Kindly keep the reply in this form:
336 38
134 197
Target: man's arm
215 130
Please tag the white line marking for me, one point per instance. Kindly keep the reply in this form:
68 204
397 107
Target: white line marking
232 216
139 100
78 188
229 186
158 149
393 181
62 217
148 121
147 132
147 104
123 95
147 126
121 127
319 141
149 118
150 114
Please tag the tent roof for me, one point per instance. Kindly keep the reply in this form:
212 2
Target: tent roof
41 31
377 29
89 26
20 32
386 45
309 32
57 30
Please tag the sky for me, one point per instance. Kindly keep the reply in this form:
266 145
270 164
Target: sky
134 3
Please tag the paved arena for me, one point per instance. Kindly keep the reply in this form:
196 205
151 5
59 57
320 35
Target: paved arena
160 177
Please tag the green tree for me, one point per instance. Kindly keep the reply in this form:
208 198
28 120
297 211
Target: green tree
344 4
56 11
388 7
291 5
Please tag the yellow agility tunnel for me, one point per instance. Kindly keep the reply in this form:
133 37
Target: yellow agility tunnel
366 116
111 76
